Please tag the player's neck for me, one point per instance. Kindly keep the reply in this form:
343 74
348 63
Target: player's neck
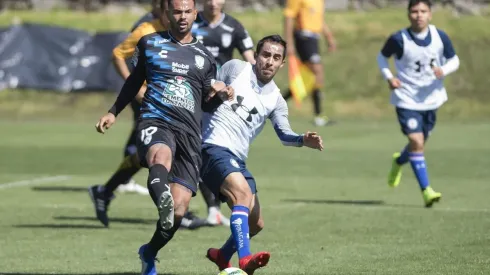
182 38
211 18
417 30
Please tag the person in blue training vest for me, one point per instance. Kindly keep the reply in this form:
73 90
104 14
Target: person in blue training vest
424 56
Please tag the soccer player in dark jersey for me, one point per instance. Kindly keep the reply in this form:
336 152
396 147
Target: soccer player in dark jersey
221 33
180 73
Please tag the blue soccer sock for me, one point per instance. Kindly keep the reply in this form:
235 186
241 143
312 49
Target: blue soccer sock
403 158
239 230
228 249
417 160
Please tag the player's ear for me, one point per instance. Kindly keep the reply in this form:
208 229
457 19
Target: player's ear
283 62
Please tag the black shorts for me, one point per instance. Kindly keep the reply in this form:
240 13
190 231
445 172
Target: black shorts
307 47
186 150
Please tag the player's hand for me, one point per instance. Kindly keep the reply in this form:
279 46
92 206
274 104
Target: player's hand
227 94
313 140
438 72
219 87
105 122
332 47
394 83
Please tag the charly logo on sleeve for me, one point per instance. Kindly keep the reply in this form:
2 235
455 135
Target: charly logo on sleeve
178 92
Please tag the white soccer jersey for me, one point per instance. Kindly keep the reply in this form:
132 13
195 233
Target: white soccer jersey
416 57
235 124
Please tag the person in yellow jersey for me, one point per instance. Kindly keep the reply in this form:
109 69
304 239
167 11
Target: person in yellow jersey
304 24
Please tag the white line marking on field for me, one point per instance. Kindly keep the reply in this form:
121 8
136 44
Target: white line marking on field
33 181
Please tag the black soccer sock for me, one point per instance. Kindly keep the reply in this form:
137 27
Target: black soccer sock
157 181
160 238
124 173
210 199
317 101
287 95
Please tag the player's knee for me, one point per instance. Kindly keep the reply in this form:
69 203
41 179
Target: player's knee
160 154
417 143
237 190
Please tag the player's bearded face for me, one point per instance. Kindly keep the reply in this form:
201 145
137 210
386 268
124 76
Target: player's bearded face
268 61
420 16
181 15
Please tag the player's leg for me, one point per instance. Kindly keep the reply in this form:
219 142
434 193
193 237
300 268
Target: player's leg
215 217
181 196
225 253
413 124
158 146
102 195
173 205
238 187
430 196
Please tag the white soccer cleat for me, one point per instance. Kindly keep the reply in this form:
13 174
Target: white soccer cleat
215 217
132 187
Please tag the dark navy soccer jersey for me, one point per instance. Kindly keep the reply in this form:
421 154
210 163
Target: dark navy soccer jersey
222 37
178 75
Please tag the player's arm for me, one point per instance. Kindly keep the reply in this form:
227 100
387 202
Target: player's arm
280 121
133 82
290 14
452 59
392 46
244 44
124 51
328 35
215 91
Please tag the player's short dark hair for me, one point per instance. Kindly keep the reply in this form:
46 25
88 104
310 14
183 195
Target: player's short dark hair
275 38
169 2
412 3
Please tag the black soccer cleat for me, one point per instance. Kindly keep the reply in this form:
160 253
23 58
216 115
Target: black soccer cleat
101 203
191 221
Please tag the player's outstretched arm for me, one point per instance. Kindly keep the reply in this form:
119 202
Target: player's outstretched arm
128 92
313 140
280 121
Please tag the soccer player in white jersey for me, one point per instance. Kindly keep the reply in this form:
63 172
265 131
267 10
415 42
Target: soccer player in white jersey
424 56
227 134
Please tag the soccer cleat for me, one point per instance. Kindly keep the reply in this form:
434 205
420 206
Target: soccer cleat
215 217
132 187
395 175
215 256
147 263
101 203
431 196
252 262
166 210
191 221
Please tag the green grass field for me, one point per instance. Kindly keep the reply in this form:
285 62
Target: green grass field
325 212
